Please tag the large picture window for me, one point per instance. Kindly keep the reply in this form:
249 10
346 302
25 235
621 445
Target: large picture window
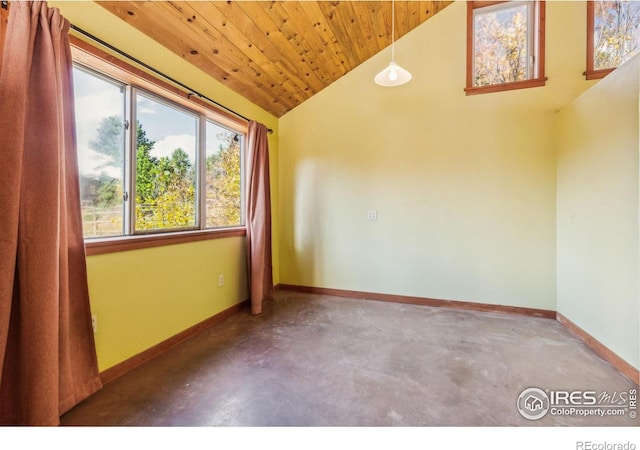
613 35
505 45
150 165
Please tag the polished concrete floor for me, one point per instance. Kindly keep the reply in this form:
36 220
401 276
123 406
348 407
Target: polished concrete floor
313 360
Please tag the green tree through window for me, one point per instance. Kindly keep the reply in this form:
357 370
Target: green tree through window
223 202
168 188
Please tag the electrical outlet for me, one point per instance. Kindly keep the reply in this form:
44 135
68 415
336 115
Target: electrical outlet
94 323
220 280
372 215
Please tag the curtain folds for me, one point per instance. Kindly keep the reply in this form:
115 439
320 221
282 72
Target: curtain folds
258 217
47 352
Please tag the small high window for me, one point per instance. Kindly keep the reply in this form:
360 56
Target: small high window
505 45
613 35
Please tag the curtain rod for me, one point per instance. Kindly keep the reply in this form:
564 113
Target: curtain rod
157 72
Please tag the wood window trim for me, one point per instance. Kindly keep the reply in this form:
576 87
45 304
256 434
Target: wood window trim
534 82
591 73
97 59
138 242
85 53
135 76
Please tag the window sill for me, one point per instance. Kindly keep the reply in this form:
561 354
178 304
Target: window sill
125 243
536 82
597 74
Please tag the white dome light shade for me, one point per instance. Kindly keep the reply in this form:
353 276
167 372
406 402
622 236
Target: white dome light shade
392 75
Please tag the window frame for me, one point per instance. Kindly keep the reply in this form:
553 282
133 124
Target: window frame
591 73
106 64
538 43
132 156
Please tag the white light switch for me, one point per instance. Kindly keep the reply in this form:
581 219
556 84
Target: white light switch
372 215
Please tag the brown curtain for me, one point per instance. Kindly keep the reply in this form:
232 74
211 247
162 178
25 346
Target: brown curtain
258 216
47 352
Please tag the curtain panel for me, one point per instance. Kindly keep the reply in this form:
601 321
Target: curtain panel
258 216
47 352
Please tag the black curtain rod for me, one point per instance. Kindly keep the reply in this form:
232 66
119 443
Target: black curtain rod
189 90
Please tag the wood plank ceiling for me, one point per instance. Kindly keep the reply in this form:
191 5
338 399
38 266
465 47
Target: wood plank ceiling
276 54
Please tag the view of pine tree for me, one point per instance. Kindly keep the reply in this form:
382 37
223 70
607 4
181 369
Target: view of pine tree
108 142
165 191
165 187
146 167
500 46
223 183
102 193
109 192
616 32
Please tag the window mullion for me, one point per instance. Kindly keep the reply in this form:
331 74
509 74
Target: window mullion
131 160
201 164
243 179
531 41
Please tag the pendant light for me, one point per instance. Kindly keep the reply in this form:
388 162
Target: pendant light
393 74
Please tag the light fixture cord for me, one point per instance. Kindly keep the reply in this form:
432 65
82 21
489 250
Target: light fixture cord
393 30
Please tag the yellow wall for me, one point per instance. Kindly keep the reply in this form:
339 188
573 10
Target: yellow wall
597 212
464 186
465 189
143 297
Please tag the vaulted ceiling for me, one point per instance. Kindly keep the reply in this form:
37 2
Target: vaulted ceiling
277 54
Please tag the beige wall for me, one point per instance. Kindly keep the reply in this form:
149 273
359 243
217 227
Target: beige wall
597 212
143 297
464 186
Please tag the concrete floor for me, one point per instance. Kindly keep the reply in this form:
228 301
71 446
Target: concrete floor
314 360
